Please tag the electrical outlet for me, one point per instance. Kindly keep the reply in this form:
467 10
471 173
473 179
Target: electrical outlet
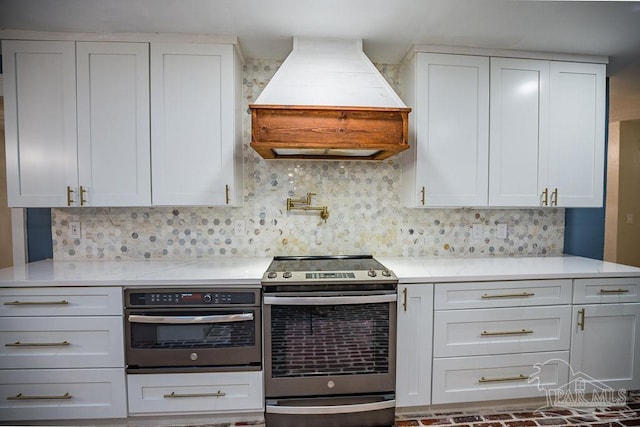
74 230
629 218
238 227
502 231
477 231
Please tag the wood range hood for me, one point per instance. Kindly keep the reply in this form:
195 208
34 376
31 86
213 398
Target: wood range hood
328 101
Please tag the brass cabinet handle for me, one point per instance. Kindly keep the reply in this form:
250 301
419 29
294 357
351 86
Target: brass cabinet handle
554 197
545 197
422 192
21 396
500 379
404 299
83 201
226 193
581 314
63 302
614 291
520 295
520 332
37 344
174 394
69 199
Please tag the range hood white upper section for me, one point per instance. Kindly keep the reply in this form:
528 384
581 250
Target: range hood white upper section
328 72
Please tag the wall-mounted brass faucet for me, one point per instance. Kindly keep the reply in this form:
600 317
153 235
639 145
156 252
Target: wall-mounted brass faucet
304 204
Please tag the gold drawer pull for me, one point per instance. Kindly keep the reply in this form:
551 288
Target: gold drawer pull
21 396
216 394
37 344
520 295
63 302
520 332
614 291
496 380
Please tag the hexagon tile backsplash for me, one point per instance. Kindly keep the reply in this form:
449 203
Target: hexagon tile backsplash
364 214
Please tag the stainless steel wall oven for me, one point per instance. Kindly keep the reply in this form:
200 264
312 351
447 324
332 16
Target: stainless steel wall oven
330 336
179 330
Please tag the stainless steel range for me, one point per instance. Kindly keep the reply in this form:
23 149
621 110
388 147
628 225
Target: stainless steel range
330 341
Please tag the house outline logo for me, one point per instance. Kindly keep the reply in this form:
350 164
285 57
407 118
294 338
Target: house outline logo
581 392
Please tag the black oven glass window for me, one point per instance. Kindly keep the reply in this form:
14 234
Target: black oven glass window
186 336
329 340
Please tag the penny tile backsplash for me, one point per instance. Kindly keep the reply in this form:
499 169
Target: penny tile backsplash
363 200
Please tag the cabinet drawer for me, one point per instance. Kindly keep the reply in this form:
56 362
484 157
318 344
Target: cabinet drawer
501 330
597 291
195 393
61 302
62 394
502 294
473 379
61 342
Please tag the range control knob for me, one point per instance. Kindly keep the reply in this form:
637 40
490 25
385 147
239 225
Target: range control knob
386 273
206 298
287 275
272 275
372 273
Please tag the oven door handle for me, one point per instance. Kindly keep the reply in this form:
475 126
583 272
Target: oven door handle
332 409
187 320
330 300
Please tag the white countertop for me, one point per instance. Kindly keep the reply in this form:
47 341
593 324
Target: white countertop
416 270
230 271
210 271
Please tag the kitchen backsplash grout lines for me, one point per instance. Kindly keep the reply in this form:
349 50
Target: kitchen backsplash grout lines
362 198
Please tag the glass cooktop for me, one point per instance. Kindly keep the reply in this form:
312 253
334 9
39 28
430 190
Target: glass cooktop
349 268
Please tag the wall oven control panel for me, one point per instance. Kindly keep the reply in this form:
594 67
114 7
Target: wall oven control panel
191 298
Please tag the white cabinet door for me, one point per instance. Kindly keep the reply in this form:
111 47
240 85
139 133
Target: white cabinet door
605 347
450 136
40 121
413 360
577 122
519 131
195 138
114 162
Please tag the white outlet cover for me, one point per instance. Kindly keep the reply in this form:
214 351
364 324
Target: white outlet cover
74 230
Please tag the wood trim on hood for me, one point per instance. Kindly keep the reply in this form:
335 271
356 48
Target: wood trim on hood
329 132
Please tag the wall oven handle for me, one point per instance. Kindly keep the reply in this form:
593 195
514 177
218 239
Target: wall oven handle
330 300
332 409
186 320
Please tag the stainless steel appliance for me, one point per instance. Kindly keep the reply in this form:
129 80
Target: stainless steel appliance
181 330
330 341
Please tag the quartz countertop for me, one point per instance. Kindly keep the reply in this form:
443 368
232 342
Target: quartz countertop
212 271
232 271
433 270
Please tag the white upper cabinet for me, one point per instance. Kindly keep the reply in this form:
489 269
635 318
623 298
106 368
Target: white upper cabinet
447 163
518 130
546 133
99 157
196 124
576 134
114 166
40 121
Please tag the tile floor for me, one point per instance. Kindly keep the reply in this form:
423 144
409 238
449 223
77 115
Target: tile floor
628 415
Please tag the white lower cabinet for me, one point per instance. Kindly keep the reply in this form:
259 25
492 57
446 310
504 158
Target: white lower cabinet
501 330
61 354
500 340
605 345
471 379
152 394
413 360
56 394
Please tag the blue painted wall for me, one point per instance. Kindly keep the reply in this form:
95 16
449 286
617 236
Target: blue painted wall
39 242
